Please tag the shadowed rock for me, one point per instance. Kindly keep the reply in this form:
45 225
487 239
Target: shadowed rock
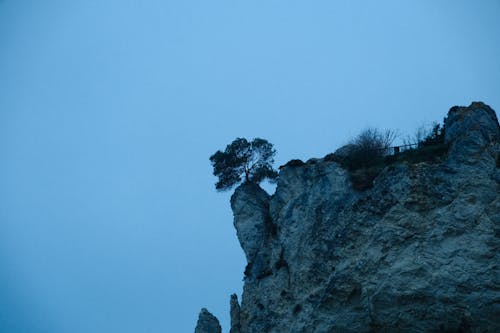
207 323
235 315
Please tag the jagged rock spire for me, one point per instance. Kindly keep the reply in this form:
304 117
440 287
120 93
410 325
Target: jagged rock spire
235 315
207 323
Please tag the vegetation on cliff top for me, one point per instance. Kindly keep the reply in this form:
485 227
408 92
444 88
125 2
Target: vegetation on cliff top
244 161
365 156
370 152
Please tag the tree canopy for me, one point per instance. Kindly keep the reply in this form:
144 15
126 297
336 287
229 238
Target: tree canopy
244 161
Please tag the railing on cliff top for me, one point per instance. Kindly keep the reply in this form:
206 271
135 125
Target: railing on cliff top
397 149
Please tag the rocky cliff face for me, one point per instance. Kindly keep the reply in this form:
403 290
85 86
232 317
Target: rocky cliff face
418 252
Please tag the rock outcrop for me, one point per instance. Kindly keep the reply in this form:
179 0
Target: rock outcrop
207 323
235 315
417 252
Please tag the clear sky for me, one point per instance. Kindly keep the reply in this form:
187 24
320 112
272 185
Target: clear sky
109 110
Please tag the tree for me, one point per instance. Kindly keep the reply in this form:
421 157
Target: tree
244 161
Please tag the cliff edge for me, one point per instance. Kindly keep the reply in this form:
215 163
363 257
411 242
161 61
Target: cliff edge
417 252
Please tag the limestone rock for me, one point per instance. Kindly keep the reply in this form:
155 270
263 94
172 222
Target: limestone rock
250 205
472 132
235 315
207 323
418 252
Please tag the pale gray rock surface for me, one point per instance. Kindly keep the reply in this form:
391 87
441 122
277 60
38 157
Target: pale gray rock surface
207 323
250 205
418 252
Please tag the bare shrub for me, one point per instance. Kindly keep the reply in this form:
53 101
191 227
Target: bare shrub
412 141
369 147
425 135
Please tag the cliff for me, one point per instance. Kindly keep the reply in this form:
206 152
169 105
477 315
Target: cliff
416 252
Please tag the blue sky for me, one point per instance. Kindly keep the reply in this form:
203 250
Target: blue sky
109 110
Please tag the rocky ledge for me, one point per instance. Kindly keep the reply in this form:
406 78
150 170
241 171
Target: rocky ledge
417 252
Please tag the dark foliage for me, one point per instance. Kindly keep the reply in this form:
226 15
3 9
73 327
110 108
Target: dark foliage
365 156
435 137
427 153
370 153
244 161
368 147
425 136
